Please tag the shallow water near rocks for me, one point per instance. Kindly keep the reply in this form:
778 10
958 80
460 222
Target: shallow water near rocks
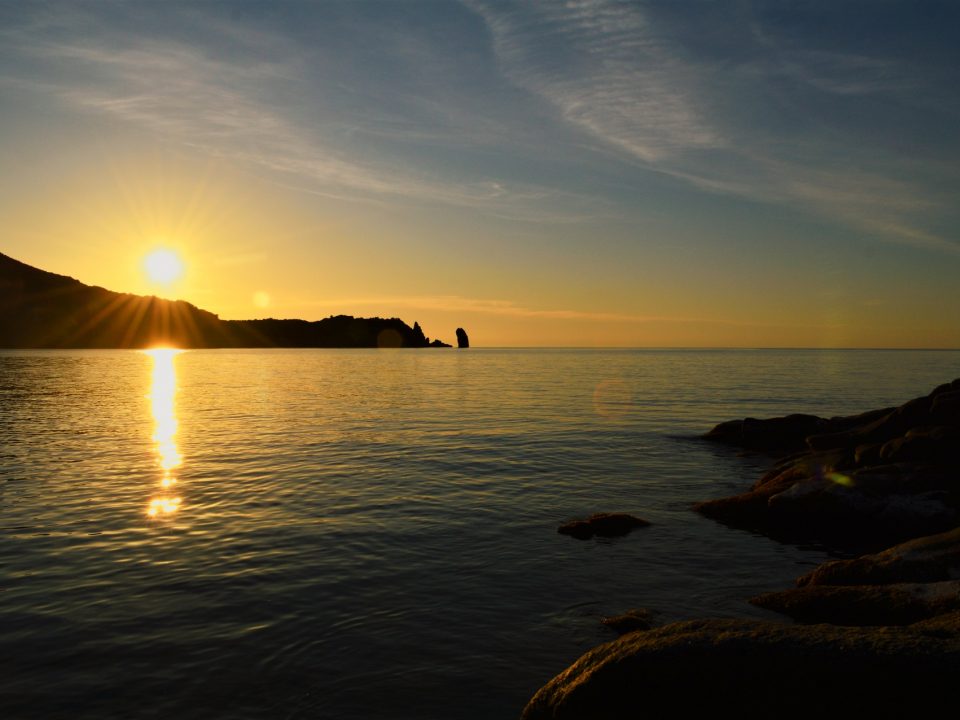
372 534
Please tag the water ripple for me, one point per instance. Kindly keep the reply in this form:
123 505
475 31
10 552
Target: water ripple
372 535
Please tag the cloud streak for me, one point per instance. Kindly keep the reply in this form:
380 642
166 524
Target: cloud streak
611 71
613 78
583 86
219 99
511 309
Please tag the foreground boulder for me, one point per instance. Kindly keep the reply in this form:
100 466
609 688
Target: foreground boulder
760 669
602 525
865 480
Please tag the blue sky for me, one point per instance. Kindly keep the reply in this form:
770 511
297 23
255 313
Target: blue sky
626 164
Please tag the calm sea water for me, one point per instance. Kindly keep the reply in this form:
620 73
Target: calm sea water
372 534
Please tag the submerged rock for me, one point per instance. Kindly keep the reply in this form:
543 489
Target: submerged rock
580 529
630 621
759 669
614 524
602 525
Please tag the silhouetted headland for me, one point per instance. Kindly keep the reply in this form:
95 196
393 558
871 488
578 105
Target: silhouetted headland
880 633
39 309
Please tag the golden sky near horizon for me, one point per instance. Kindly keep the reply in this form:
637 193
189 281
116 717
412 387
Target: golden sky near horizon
477 169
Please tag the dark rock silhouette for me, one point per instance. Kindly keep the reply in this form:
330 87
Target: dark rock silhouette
867 480
39 309
785 434
760 669
630 621
891 604
580 529
462 340
602 525
418 334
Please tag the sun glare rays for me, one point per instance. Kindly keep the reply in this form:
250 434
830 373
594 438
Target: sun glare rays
130 321
163 390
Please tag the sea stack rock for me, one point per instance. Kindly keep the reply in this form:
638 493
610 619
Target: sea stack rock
462 340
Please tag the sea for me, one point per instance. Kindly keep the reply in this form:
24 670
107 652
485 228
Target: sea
364 534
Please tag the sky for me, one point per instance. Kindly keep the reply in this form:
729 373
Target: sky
673 173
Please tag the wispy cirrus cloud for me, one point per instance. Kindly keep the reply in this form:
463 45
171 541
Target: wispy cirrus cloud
215 105
582 86
736 127
606 72
253 97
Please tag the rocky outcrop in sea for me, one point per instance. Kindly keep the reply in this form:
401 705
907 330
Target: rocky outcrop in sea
876 635
867 480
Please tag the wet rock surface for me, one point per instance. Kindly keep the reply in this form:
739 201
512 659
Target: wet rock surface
872 479
932 558
909 582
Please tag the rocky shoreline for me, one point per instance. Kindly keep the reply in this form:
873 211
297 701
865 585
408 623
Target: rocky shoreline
879 633
869 480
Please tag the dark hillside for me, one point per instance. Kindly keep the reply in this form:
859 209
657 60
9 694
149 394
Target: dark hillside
39 309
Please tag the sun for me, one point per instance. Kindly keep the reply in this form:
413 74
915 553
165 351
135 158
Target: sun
163 266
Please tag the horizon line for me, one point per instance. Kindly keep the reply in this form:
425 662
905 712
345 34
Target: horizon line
523 347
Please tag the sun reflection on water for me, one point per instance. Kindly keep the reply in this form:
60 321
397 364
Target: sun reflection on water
163 389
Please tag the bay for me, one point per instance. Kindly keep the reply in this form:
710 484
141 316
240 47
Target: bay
372 534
